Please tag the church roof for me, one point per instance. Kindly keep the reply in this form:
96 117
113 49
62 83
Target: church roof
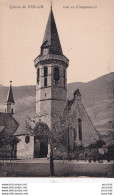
8 125
2 128
10 98
16 124
22 119
70 102
51 37
77 92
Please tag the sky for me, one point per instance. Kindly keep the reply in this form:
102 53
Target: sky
86 36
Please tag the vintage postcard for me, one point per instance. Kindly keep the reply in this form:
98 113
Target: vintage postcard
56 90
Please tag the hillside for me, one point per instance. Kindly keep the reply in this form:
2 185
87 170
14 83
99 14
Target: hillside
97 97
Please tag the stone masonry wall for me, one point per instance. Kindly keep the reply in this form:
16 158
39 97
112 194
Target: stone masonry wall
89 133
25 150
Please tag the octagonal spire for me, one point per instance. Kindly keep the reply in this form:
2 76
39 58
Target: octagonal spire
51 37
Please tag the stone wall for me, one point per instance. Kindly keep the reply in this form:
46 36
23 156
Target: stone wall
89 133
25 150
53 91
9 108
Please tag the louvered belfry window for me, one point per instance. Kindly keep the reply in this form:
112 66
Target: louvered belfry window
64 77
45 75
38 75
45 81
80 129
56 74
45 71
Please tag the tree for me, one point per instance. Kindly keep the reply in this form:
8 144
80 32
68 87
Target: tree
13 140
97 144
8 143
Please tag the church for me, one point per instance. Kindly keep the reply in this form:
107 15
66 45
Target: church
53 111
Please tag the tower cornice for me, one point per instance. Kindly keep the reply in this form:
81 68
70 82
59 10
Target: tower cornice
50 59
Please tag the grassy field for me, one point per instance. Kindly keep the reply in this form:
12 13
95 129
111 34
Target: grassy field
68 169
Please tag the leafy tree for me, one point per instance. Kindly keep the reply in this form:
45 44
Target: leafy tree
98 144
8 143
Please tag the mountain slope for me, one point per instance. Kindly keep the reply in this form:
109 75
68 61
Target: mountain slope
97 97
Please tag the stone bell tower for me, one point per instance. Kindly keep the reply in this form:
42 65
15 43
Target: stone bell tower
51 66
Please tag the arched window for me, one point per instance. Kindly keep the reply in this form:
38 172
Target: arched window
64 77
45 71
38 75
74 134
12 110
45 81
27 139
80 129
56 74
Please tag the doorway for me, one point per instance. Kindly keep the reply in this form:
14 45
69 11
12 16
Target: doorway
43 149
36 147
41 132
40 148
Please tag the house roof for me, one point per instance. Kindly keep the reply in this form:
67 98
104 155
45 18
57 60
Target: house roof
51 37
